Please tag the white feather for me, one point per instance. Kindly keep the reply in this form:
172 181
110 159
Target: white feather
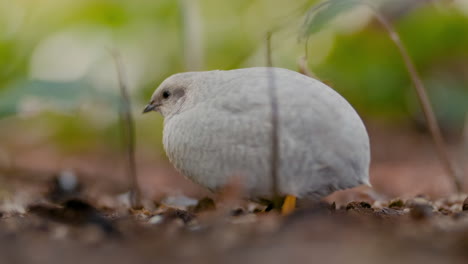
221 128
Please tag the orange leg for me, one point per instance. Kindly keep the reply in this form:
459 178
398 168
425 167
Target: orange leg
289 205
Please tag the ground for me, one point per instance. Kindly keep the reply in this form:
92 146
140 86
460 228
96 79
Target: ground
51 215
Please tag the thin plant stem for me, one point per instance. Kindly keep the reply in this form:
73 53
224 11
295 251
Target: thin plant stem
269 59
439 142
274 119
433 126
128 132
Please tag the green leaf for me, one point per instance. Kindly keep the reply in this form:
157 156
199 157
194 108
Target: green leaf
321 14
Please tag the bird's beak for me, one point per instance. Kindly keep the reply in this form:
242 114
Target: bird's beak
150 107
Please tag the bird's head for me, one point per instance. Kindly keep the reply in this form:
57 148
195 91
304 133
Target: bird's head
170 97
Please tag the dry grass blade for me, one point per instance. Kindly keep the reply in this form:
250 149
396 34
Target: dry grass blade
269 59
128 132
274 159
423 98
439 142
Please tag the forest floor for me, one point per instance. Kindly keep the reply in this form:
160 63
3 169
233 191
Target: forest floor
51 215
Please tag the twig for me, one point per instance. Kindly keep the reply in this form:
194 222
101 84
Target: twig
275 159
423 98
128 132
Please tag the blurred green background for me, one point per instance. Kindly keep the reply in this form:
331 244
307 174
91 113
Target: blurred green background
58 80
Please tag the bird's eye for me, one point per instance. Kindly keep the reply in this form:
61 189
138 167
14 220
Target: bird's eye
166 94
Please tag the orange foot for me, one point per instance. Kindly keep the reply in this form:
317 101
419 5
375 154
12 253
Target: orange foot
289 205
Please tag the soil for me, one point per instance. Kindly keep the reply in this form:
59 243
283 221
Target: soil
49 214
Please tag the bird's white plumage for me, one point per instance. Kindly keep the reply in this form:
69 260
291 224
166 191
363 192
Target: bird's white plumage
221 128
